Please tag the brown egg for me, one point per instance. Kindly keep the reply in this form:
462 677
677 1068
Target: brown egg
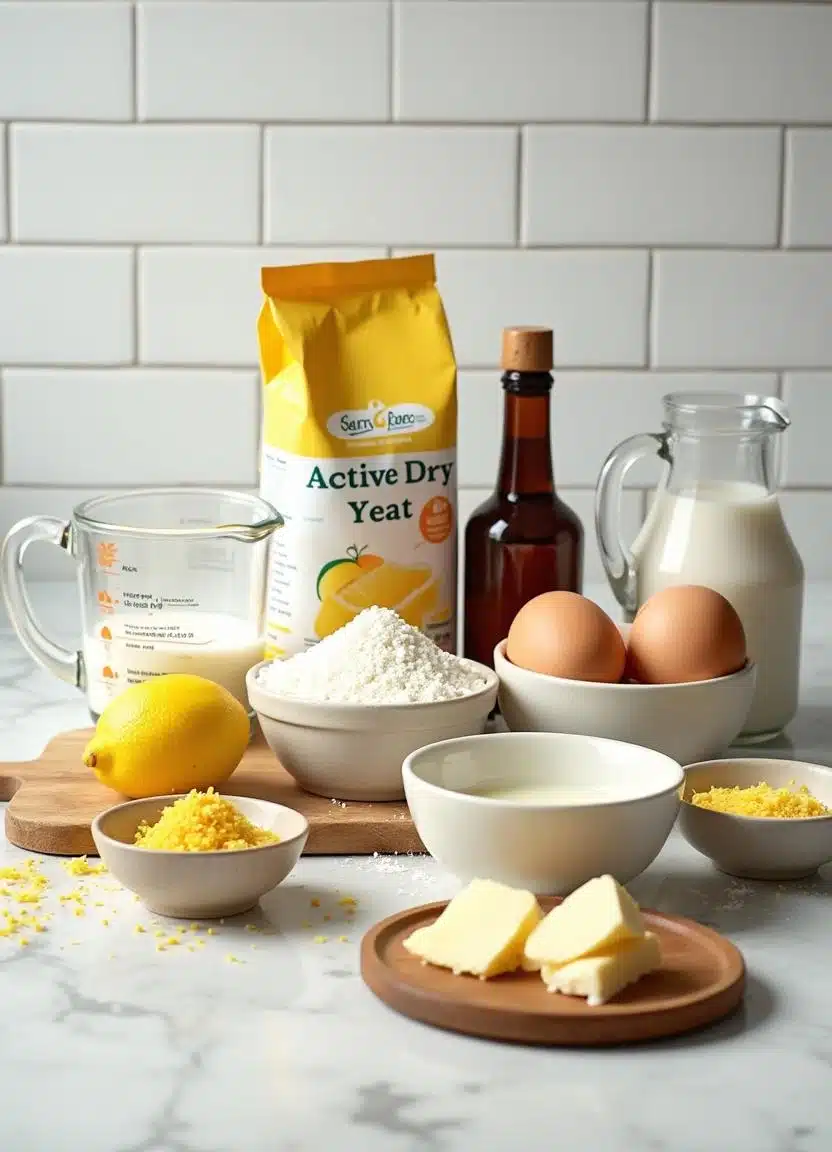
685 633
564 634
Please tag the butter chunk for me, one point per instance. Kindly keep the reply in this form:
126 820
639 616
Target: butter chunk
481 932
601 977
594 918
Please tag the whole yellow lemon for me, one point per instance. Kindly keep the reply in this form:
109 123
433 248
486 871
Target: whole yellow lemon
168 734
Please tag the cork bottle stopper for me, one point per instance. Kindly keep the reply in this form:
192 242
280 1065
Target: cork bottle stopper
527 350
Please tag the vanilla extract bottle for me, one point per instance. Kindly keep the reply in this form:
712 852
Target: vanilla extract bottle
523 540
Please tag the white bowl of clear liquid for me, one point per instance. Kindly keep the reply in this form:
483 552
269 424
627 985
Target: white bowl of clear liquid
541 810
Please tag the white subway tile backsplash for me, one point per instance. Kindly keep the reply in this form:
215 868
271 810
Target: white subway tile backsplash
742 309
808 206
43 561
595 301
65 61
4 212
651 179
652 185
592 412
750 62
580 501
66 306
135 426
255 61
135 184
808 515
808 396
520 60
390 185
200 305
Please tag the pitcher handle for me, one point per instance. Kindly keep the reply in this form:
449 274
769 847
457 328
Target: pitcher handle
60 661
615 554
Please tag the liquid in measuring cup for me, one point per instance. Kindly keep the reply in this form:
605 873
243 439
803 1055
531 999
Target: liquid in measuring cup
128 647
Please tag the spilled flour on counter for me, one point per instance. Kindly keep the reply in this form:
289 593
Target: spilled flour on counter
375 659
735 897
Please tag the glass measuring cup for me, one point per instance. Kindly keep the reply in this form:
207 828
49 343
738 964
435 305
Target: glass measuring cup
171 580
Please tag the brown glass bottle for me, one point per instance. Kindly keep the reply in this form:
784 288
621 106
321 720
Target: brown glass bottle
523 540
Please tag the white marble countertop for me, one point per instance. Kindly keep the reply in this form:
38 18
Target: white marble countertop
111 1046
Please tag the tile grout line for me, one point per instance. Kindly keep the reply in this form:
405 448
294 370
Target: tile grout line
134 60
417 122
392 61
134 42
236 366
649 84
136 308
782 192
7 180
491 248
650 342
520 184
261 188
583 486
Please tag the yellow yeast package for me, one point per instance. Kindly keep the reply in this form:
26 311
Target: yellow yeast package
359 447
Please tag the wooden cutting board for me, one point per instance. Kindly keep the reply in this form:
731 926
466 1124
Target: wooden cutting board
54 799
701 979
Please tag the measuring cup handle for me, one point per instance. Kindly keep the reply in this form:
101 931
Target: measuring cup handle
60 661
615 554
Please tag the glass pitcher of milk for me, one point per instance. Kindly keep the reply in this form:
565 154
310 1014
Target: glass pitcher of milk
715 519
170 580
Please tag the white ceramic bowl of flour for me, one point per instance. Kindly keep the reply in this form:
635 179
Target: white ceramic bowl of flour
342 717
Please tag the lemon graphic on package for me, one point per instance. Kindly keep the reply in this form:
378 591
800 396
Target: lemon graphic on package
338 573
349 585
168 734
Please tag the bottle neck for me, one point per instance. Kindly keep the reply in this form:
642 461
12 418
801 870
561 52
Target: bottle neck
526 456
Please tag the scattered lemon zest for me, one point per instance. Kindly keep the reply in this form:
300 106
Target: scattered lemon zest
80 866
321 939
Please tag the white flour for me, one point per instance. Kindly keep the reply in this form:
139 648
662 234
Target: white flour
375 659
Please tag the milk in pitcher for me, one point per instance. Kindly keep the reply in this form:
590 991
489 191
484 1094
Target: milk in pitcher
716 521
732 537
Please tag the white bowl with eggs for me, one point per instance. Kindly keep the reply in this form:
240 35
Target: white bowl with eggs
686 720
542 811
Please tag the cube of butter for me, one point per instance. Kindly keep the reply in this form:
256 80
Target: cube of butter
482 931
602 976
593 918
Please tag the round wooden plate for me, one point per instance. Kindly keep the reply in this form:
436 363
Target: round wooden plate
701 979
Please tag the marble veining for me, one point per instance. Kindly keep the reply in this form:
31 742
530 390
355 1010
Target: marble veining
264 1039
